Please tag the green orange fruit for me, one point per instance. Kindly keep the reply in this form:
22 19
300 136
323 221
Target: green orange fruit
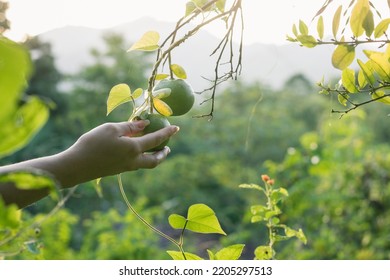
182 96
157 122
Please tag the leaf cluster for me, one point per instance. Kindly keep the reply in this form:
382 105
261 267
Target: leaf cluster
365 25
18 125
269 215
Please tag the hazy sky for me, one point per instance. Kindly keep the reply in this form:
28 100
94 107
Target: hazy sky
265 21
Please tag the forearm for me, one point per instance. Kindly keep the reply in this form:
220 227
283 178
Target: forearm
68 168
61 166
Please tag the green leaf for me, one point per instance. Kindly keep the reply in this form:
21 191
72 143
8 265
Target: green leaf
211 255
303 28
251 186
148 42
232 252
294 233
179 71
257 218
343 56
258 209
262 213
26 180
264 253
200 219
31 180
279 194
336 21
177 221
366 75
20 127
368 23
343 99
380 63
161 77
307 41
137 93
281 237
98 187
295 30
320 27
348 80
275 220
273 213
18 123
381 95
178 256
162 107
190 8
196 5
358 15
381 28
118 95
15 69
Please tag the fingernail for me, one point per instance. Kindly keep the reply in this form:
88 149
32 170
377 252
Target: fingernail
176 129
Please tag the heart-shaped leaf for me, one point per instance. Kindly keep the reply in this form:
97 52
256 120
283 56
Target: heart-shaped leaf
148 42
118 95
200 219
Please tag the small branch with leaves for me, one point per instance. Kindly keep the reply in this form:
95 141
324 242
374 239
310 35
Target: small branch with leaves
206 12
372 77
269 214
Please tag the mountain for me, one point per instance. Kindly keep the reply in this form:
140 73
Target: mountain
269 64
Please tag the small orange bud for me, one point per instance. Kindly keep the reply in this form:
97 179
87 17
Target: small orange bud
265 178
271 182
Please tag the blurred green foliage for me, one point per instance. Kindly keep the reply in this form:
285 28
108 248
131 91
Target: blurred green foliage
335 170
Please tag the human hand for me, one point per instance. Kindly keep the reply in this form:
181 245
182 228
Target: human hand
112 148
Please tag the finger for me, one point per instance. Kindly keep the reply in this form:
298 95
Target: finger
154 139
152 160
132 128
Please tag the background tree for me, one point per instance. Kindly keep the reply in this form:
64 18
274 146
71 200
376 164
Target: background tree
90 87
